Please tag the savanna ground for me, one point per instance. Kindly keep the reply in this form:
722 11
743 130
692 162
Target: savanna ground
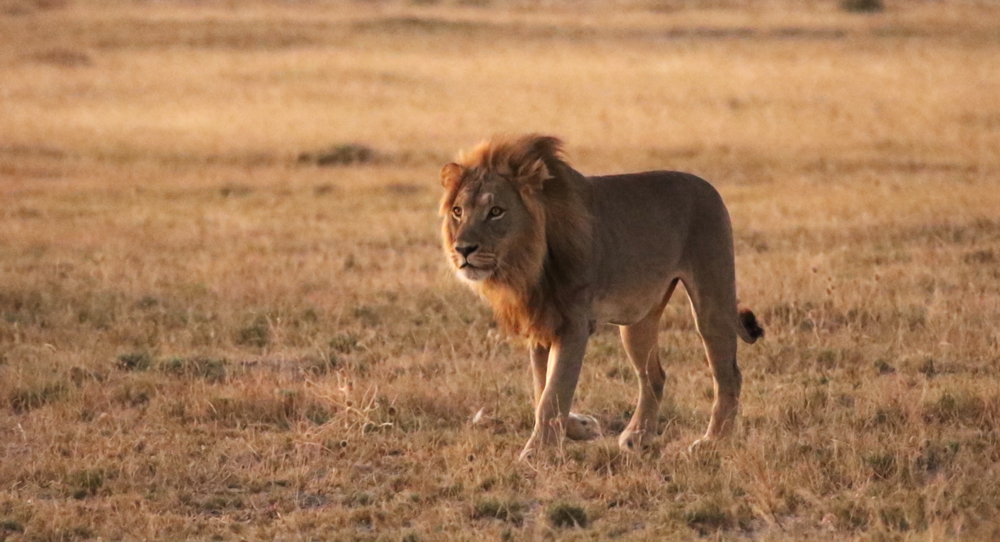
205 334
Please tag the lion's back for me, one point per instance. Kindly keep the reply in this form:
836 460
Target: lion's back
651 227
652 191
656 211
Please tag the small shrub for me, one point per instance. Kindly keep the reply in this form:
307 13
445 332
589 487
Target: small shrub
927 368
891 417
894 518
827 359
100 313
135 394
403 189
883 465
367 315
257 335
980 257
883 368
80 532
862 6
277 410
317 414
313 500
64 58
320 365
707 518
219 503
323 189
960 407
211 369
358 498
135 361
607 459
147 302
344 343
235 190
364 519
85 483
567 515
850 515
509 511
24 400
340 155
934 457
452 491
11 526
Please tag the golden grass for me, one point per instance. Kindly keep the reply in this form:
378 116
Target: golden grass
202 338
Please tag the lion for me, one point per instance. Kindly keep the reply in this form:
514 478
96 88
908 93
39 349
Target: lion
555 253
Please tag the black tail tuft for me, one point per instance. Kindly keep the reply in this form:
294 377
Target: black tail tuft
749 321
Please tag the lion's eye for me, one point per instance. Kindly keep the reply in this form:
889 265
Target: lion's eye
456 212
496 212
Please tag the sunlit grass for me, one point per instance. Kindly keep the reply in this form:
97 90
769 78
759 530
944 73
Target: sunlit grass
204 336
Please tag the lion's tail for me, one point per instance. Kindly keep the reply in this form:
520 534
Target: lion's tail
749 329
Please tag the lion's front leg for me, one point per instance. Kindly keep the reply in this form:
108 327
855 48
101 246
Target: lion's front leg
539 368
577 426
552 412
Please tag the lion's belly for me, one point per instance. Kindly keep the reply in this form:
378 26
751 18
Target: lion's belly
618 315
626 304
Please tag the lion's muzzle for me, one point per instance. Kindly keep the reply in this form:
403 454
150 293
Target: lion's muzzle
471 263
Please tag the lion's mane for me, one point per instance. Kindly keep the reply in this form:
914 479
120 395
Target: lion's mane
537 286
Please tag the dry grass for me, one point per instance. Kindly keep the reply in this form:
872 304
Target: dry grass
202 337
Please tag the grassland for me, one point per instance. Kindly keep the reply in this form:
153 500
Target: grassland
204 337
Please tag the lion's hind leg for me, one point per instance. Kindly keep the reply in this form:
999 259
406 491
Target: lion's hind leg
714 307
640 340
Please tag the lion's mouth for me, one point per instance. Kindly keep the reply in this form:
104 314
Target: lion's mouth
474 273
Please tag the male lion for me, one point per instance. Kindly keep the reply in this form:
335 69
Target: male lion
555 253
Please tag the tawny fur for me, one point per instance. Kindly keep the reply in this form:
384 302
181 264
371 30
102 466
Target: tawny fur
554 253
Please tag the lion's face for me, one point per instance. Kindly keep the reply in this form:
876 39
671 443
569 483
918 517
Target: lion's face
488 231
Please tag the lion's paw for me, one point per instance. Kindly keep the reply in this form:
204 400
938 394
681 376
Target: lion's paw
702 443
582 427
530 450
527 454
632 440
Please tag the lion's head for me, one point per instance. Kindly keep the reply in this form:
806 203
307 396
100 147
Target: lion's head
517 229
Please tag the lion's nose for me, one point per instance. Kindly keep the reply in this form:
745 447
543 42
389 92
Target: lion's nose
465 250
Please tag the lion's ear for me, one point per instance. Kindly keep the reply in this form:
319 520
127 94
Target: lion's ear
532 175
529 159
451 174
